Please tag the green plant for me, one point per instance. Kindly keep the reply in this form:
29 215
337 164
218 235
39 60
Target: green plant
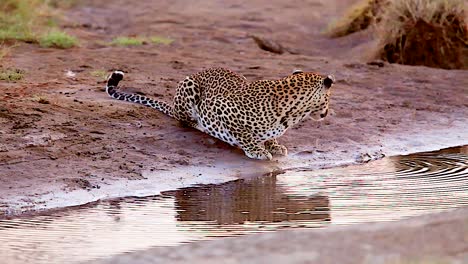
20 18
27 20
11 75
161 40
101 74
128 41
57 39
137 41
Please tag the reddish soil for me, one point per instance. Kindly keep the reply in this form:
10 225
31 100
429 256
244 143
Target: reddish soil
61 134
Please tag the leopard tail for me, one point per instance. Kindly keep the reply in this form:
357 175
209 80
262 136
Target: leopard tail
111 89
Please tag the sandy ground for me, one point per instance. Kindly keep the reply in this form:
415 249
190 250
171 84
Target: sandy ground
63 141
435 238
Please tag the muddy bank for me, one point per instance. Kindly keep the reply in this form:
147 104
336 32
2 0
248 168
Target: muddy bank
76 191
64 142
436 238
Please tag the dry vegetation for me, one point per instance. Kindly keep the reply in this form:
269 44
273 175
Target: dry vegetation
359 17
414 32
11 75
425 32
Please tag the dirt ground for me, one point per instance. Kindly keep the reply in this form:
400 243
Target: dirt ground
63 141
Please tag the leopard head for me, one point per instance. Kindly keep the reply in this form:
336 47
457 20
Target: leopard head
318 89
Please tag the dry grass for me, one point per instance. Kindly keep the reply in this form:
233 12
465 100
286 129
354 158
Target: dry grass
11 75
100 74
4 50
424 32
421 261
40 99
62 3
359 17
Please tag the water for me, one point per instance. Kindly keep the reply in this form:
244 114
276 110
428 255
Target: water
385 190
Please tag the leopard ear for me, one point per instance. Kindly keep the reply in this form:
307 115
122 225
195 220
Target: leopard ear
297 71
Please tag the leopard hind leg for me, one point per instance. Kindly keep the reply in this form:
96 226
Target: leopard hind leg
186 101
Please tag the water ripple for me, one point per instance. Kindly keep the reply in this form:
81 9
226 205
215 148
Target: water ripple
385 190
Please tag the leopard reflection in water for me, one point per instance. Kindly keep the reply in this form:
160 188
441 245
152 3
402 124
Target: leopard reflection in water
249 200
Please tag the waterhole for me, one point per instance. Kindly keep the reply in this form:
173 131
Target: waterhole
385 190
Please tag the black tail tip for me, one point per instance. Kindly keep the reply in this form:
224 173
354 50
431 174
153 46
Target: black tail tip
328 81
115 78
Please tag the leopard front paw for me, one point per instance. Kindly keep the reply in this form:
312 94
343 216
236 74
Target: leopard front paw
260 155
278 150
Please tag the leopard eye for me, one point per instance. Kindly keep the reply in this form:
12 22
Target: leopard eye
297 71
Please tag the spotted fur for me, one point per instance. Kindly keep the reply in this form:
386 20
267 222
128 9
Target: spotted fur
251 116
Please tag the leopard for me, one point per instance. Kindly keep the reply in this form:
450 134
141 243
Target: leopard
248 115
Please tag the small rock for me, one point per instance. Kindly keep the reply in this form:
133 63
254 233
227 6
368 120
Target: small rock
366 157
70 74
379 63
268 45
